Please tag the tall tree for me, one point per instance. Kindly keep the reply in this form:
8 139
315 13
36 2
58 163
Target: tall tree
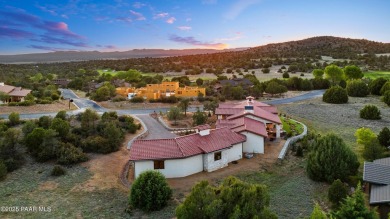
184 104
334 73
174 114
355 207
331 159
317 213
318 73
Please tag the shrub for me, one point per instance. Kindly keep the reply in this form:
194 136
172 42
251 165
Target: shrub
55 96
265 70
331 159
386 97
357 88
286 75
385 87
376 85
373 150
3 170
27 103
335 95
14 118
343 84
337 192
384 137
119 99
95 144
69 154
232 199
137 100
57 171
150 191
320 83
370 112
61 115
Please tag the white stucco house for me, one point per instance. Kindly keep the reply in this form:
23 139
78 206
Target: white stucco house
207 150
256 120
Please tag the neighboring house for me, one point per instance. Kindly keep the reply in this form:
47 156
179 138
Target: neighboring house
15 94
156 91
376 174
256 120
61 82
207 150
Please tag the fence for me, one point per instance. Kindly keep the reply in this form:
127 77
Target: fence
292 140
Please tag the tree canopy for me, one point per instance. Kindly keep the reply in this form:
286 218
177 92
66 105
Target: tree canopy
353 72
232 199
333 73
331 159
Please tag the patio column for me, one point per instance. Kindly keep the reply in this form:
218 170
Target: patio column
278 131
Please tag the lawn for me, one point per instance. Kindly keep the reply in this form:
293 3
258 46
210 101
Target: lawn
377 74
108 71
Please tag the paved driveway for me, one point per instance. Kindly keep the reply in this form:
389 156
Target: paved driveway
156 130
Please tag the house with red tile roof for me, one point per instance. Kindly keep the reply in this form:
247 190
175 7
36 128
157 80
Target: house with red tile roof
207 150
15 94
256 120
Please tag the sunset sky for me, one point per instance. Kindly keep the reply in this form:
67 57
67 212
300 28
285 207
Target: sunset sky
30 26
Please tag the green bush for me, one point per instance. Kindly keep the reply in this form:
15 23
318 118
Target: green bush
3 170
95 144
55 96
385 87
14 118
330 159
384 137
357 88
286 75
13 104
335 95
137 100
58 171
336 193
386 97
376 85
27 103
370 112
150 191
69 154
265 70
119 99
320 83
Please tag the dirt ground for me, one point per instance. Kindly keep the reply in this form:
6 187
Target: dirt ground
107 169
260 162
38 108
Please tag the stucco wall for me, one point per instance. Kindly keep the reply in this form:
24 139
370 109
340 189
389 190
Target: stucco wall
254 143
235 153
210 165
173 168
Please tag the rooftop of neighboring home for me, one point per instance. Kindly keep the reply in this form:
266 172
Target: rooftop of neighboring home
249 107
185 146
13 91
377 173
244 124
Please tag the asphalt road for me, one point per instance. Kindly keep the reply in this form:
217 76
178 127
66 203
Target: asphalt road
156 130
83 104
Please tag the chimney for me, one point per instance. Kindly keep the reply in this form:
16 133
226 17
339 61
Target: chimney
203 130
249 104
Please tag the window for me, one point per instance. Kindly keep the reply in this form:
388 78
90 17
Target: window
159 165
217 156
179 92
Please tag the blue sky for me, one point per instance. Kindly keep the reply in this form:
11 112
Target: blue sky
30 26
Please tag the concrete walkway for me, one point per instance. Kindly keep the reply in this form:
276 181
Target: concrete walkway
156 130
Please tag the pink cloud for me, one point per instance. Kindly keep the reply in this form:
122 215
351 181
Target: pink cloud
195 42
185 28
171 20
160 15
137 16
6 32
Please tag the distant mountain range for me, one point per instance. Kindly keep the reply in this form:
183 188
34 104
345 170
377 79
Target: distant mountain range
336 47
67 56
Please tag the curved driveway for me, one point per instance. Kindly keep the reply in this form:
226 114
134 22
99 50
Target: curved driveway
156 130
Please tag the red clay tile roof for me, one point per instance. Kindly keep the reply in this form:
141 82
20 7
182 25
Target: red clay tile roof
251 125
184 146
6 88
234 108
260 113
19 92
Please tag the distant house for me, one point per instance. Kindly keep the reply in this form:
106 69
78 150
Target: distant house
376 175
61 82
157 91
256 120
207 150
15 94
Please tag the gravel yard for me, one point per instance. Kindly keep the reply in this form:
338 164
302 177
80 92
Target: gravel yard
38 108
342 119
